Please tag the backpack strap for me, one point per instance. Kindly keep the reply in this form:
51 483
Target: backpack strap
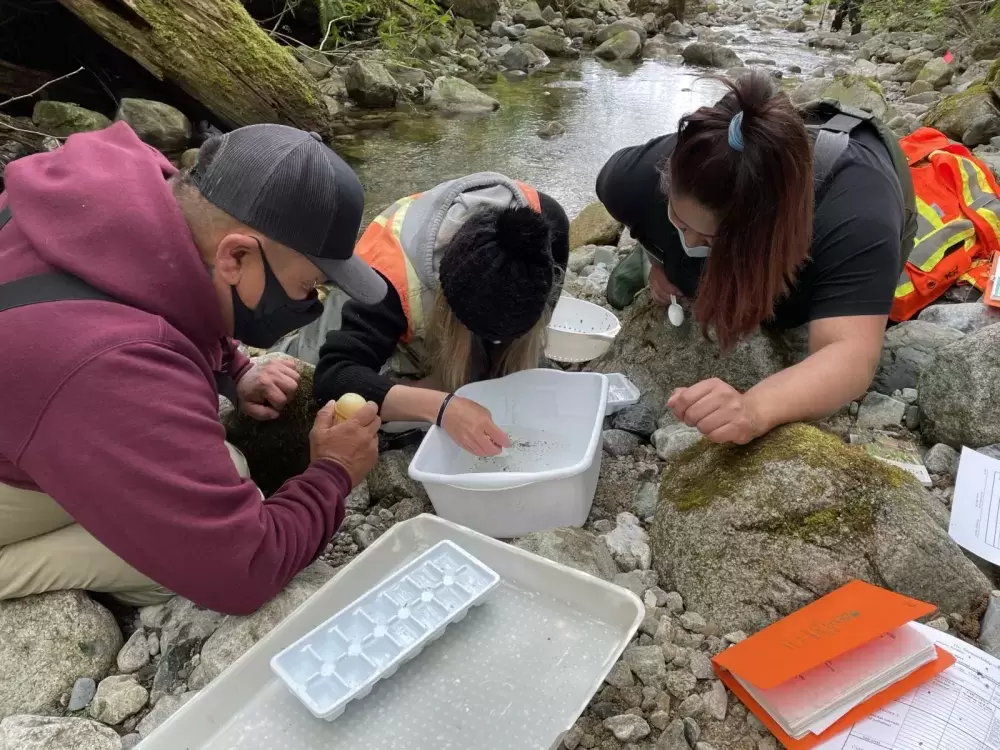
832 139
64 287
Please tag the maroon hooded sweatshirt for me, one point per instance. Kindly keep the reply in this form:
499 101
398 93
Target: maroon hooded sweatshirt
111 409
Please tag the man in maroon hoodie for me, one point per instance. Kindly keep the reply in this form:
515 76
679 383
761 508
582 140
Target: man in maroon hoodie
122 284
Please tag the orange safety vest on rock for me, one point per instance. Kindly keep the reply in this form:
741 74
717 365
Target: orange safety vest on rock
958 216
400 243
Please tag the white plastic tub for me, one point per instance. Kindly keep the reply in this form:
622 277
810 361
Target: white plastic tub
546 479
515 673
579 331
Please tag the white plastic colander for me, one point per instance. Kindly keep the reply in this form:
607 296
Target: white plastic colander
579 331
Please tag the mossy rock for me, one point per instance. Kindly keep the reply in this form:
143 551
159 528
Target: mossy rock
749 534
956 114
277 450
659 357
63 118
594 226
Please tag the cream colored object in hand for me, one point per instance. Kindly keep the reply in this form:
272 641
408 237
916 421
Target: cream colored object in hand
347 406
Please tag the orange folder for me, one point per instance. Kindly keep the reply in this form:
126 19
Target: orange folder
841 621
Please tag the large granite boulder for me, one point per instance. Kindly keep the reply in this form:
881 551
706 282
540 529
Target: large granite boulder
960 392
622 24
64 118
551 42
624 46
237 634
750 534
970 117
908 349
48 642
851 90
658 357
594 226
575 548
450 94
158 124
371 85
51 733
711 55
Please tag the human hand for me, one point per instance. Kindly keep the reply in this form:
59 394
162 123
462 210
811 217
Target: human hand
471 426
720 412
353 443
660 287
265 389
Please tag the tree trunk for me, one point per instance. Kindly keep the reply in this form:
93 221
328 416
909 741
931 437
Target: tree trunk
214 51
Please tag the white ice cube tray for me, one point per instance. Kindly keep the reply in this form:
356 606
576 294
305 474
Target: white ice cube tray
342 659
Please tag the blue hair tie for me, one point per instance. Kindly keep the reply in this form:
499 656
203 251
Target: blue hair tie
736 132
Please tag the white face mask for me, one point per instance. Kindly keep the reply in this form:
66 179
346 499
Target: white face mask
699 251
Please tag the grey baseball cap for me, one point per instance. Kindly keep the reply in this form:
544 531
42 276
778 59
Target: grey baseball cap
288 185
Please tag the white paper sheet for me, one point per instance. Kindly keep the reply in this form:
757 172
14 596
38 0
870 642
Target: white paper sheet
975 508
957 710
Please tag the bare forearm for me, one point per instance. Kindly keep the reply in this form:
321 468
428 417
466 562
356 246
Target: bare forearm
813 389
410 403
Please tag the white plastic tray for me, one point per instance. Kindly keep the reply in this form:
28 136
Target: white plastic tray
367 641
513 675
546 478
622 392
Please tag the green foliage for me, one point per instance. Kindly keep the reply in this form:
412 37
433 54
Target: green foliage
395 23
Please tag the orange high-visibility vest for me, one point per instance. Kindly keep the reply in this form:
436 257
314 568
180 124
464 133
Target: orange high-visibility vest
383 247
958 216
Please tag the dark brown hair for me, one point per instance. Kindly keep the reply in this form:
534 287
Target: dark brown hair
762 197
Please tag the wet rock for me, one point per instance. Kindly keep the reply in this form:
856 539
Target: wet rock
530 15
623 46
525 57
956 115
621 25
316 63
936 72
49 733
965 317
854 91
63 118
83 693
449 94
619 442
481 12
173 669
982 130
879 411
594 226
579 27
908 349
134 654
237 635
659 48
960 393
748 535
575 548
627 727
797 26
158 124
163 710
919 87
670 441
551 129
335 85
48 642
551 42
710 55
118 697
909 70
371 85
639 419
629 543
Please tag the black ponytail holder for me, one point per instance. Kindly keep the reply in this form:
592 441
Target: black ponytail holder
444 405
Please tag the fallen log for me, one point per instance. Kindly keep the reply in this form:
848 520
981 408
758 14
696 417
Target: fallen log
215 52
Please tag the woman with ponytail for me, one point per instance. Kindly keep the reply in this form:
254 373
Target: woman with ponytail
474 268
729 218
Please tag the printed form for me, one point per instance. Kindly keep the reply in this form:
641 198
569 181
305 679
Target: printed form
975 507
957 710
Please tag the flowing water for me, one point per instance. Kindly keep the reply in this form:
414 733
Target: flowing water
604 107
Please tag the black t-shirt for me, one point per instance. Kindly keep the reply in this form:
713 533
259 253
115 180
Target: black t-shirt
854 263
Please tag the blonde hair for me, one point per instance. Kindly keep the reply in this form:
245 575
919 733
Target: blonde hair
451 346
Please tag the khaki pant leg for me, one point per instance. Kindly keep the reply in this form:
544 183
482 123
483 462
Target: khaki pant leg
42 550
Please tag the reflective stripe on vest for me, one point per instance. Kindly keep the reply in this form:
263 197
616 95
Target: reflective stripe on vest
958 207
381 248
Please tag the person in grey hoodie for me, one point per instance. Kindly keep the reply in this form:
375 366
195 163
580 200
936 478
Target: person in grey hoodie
474 267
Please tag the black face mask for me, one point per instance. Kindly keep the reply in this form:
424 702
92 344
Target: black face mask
275 315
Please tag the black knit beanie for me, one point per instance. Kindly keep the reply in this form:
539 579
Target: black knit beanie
497 272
